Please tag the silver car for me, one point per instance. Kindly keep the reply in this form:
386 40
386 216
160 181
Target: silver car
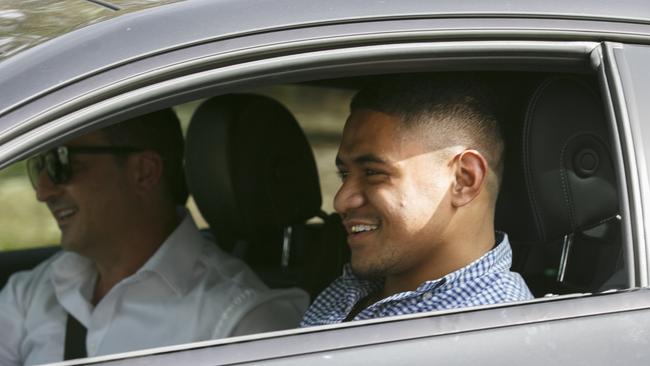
573 90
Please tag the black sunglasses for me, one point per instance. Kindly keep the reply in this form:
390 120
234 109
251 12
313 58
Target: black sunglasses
56 162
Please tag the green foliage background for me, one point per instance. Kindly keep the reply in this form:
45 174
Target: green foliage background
24 222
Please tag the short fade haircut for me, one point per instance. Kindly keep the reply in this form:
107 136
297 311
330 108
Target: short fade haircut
160 132
451 111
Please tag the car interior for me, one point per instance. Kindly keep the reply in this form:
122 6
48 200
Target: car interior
252 173
566 230
258 190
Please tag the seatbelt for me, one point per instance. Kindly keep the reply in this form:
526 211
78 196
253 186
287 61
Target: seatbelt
75 339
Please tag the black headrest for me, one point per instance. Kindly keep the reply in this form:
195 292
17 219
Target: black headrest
250 167
567 161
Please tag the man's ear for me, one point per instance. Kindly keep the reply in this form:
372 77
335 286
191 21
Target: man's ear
471 170
147 170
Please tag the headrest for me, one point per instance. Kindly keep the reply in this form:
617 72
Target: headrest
250 167
568 167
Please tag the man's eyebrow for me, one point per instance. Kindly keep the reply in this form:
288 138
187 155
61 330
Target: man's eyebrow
366 158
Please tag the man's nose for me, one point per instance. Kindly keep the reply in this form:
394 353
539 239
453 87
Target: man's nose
348 197
45 188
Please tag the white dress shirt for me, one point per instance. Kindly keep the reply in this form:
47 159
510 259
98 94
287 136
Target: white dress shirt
188 291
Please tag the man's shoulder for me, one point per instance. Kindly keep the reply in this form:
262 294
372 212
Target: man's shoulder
491 278
228 268
188 260
225 270
249 306
498 288
513 286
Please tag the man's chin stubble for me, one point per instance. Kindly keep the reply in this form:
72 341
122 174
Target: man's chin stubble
369 274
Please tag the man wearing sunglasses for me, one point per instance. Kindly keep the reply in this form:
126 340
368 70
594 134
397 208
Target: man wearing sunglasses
135 271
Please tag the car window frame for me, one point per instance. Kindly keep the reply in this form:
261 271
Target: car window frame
624 93
129 97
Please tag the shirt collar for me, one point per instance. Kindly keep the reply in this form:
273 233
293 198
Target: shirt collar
73 276
498 259
175 260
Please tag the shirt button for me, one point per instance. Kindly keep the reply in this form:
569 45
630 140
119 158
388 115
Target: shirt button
427 296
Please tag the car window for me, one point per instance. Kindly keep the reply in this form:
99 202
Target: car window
321 112
631 92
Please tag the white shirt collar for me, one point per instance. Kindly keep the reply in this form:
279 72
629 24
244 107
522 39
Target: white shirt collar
177 256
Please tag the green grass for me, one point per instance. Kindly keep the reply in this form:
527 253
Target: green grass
24 222
14 171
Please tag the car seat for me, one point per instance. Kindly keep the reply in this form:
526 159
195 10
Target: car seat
561 212
253 176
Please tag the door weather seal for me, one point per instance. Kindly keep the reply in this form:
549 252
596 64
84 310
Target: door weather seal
105 4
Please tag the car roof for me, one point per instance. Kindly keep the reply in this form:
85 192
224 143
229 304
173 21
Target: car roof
97 45
24 24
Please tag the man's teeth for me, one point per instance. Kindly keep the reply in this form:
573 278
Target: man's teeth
362 228
66 213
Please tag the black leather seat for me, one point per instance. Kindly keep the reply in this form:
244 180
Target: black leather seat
562 210
253 176
22 260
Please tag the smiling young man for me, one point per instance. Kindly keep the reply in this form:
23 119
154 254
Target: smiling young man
420 162
135 271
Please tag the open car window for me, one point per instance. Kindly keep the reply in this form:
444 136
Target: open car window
552 264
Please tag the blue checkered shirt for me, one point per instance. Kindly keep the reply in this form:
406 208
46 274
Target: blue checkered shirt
487 280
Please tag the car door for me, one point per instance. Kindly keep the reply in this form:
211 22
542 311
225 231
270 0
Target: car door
574 328
548 329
